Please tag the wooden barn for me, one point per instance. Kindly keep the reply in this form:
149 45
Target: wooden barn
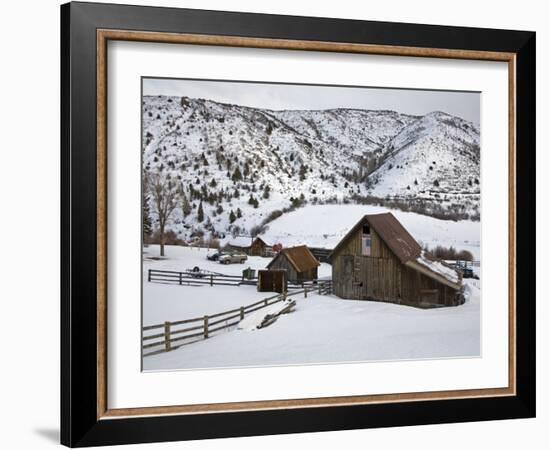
259 247
239 244
248 246
379 260
299 263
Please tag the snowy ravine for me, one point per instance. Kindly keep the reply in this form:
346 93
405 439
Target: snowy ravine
253 162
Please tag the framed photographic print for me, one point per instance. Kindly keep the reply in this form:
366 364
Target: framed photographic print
276 224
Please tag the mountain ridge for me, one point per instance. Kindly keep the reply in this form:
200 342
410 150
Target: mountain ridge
230 157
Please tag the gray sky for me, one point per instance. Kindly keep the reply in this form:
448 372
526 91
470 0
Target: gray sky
293 96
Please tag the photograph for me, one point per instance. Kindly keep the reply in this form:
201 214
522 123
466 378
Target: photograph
292 224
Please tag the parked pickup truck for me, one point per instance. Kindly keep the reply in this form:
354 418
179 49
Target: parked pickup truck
233 258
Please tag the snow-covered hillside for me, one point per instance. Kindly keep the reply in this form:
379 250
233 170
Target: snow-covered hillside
325 225
245 164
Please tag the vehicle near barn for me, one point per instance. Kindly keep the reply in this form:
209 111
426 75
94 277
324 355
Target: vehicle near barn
232 258
215 256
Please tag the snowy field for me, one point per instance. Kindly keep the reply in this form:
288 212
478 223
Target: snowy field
172 302
325 225
327 329
322 329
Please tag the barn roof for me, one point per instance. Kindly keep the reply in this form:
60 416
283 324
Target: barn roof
240 241
436 270
261 240
390 230
300 258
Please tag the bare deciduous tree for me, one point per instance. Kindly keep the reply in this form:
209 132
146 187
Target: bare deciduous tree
165 199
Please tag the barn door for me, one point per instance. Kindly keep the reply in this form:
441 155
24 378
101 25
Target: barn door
354 282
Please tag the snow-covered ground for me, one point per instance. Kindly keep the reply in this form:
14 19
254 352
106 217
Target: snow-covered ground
322 329
327 329
325 225
172 302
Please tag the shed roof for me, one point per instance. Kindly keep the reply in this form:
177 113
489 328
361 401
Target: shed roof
390 230
300 258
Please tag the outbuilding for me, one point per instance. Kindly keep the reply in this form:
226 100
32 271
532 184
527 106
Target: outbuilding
299 263
379 260
249 246
259 247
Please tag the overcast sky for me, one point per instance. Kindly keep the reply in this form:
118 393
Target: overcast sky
292 96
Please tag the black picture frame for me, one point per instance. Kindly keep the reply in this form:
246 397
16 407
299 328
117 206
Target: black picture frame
80 425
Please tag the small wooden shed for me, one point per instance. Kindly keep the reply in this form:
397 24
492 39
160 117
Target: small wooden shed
299 263
272 281
379 260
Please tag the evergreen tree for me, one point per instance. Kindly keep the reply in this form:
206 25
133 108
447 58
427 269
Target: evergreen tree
185 207
237 175
239 213
232 217
200 213
303 171
146 215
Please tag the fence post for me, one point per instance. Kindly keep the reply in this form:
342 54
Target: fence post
284 296
180 277
212 280
205 327
242 312
305 292
319 288
149 276
167 336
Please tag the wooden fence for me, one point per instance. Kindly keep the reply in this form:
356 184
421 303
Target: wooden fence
190 278
169 336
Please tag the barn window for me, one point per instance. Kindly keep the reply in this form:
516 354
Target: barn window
366 241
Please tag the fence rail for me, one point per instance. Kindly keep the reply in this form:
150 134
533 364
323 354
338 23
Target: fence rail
190 278
172 336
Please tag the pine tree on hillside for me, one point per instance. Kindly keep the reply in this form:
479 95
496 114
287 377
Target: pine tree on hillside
237 175
146 215
239 213
185 206
200 213
232 217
